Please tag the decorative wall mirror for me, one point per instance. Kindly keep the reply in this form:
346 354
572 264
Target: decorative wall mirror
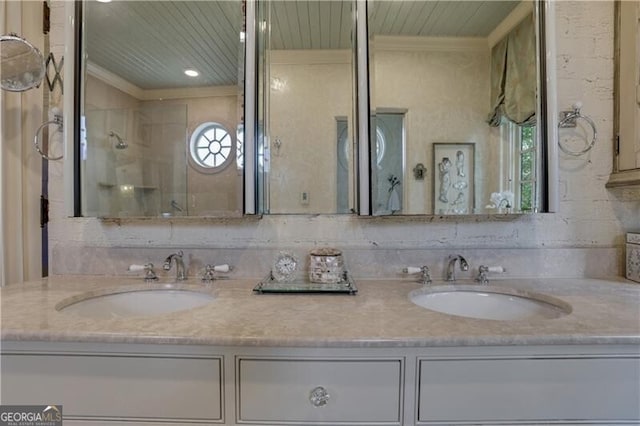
159 111
460 87
22 66
306 110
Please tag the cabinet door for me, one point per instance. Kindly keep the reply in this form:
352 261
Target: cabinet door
629 87
538 390
117 387
280 390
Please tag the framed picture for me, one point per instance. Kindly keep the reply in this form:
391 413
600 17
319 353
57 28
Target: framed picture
453 178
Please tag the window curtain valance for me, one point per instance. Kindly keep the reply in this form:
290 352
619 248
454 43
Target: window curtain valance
513 75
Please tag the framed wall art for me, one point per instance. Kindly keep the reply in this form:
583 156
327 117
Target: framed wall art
453 180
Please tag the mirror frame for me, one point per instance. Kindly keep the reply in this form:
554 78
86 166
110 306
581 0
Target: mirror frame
12 37
545 12
69 104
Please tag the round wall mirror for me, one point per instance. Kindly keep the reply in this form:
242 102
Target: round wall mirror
22 66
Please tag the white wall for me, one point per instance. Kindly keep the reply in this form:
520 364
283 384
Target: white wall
584 238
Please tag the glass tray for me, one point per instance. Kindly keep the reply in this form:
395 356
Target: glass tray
301 285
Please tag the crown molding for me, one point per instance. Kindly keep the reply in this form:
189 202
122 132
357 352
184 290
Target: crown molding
311 57
428 44
157 94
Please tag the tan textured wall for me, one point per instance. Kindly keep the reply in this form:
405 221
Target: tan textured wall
207 194
451 106
585 237
303 117
217 193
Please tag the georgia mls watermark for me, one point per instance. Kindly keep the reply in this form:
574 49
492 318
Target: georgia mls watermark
30 415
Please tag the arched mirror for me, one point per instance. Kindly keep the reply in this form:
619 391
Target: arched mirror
159 108
462 115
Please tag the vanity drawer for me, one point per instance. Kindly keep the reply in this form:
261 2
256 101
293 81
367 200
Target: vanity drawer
529 389
279 390
117 387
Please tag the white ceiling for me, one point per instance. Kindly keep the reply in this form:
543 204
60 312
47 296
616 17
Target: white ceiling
151 43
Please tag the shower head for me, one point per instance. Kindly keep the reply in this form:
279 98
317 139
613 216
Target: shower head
121 144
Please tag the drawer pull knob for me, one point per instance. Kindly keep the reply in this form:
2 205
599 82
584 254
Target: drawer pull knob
319 397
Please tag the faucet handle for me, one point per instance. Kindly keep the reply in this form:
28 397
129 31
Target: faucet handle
209 270
483 273
424 270
136 268
225 267
149 274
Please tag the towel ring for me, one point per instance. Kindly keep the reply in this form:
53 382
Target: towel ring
568 120
57 119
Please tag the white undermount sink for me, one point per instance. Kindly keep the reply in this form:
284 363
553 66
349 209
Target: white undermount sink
121 303
489 302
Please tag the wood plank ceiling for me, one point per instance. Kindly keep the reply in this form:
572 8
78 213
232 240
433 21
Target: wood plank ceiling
151 43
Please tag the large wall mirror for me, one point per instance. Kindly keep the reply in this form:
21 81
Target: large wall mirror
160 108
375 108
458 106
306 85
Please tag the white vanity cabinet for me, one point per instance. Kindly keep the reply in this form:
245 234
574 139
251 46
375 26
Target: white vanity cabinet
106 386
127 384
535 389
311 391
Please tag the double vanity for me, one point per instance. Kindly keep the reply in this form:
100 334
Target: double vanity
118 350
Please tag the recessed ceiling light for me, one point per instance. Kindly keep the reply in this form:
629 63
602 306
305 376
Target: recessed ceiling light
192 73
104 1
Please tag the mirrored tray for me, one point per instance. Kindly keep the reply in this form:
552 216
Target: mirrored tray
302 285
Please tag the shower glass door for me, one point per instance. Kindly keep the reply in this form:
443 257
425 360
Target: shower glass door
133 161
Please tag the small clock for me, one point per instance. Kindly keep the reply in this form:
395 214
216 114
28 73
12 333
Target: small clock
285 267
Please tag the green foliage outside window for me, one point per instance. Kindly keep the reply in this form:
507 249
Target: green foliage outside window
527 167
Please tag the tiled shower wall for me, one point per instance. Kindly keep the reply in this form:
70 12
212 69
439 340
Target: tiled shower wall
584 238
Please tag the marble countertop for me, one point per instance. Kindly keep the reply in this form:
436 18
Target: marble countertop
380 315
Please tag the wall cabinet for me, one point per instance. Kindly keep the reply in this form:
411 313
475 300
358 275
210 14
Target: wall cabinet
627 95
128 384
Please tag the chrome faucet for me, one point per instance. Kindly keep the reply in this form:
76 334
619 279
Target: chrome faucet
180 271
451 268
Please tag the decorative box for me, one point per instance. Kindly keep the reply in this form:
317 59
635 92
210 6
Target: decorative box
633 256
326 266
